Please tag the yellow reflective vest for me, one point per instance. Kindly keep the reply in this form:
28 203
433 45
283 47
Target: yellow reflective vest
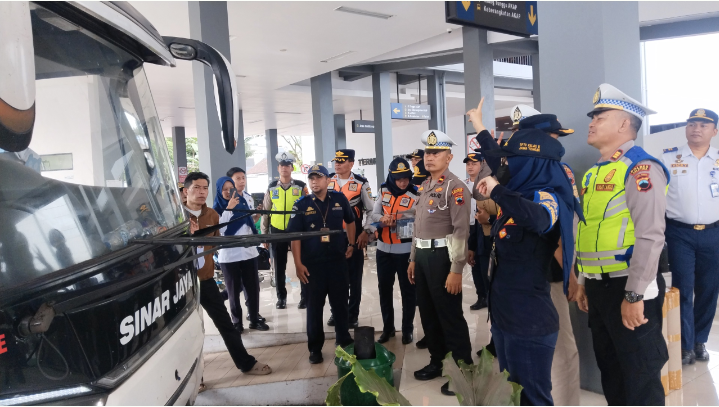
283 200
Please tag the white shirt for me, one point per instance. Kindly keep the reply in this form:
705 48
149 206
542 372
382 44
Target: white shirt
234 254
689 199
470 185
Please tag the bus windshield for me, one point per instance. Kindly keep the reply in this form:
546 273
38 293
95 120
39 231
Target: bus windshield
97 173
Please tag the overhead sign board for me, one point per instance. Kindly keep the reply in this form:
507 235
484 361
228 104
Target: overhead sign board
362 126
508 17
410 112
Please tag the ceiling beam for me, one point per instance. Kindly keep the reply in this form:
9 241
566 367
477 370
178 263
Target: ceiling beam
679 29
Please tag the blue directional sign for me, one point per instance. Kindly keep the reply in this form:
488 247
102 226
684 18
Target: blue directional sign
410 112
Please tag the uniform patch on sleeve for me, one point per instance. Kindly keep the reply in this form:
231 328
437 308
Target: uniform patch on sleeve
644 184
549 202
294 208
641 167
457 194
503 233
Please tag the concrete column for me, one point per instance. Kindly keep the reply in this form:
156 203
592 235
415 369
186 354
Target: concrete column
567 89
437 102
323 118
208 23
272 150
536 91
478 80
382 123
340 132
179 151
239 153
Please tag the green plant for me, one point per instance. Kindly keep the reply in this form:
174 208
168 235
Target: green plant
477 385
367 381
474 385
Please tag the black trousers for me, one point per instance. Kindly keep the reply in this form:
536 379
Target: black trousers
211 300
239 274
480 270
327 279
389 264
630 361
443 321
355 266
279 251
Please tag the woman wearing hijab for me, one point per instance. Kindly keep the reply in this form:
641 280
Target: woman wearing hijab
537 207
396 201
238 264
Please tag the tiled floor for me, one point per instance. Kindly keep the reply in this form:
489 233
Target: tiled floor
290 362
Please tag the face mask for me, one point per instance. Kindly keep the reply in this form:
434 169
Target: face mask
503 175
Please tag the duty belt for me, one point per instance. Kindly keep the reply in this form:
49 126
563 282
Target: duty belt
688 226
601 276
430 243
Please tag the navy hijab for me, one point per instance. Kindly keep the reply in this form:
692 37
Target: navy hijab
531 174
220 206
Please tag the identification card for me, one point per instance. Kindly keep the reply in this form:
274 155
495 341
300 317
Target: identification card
715 189
326 238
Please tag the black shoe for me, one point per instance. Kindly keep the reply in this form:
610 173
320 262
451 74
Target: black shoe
385 336
281 304
239 327
481 303
344 345
331 321
302 304
316 357
407 337
428 372
353 324
700 350
259 317
422 343
446 391
688 357
260 326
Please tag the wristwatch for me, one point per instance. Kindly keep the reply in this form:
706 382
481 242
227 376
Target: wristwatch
632 297
354 246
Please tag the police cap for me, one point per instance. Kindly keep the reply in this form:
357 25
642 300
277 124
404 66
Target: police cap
703 115
318 169
344 155
530 143
545 122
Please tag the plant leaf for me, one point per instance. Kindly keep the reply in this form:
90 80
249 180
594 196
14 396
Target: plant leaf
370 382
478 385
462 388
333 393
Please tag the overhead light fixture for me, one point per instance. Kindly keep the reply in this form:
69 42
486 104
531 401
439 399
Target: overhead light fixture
283 50
338 56
287 113
364 12
187 108
240 76
254 121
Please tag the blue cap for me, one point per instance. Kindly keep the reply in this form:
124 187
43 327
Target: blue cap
476 156
319 169
546 122
703 115
399 168
530 143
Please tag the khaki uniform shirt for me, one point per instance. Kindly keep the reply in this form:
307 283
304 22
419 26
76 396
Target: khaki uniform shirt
443 210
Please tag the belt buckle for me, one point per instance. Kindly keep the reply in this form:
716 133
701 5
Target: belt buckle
699 227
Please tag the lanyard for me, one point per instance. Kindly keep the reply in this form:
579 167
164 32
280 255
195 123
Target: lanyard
324 217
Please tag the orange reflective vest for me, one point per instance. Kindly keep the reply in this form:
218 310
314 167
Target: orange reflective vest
394 205
352 190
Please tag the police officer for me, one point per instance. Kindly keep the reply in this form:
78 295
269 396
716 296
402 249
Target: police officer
473 163
416 156
692 230
419 174
397 198
281 195
618 251
357 191
565 364
438 255
321 261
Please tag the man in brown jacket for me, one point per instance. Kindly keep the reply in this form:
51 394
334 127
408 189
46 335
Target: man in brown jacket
196 187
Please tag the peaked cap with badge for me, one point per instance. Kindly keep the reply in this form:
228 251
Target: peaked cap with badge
548 123
318 169
475 156
703 115
521 112
607 97
344 155
285 158
399 168
417 153
530 143
437 140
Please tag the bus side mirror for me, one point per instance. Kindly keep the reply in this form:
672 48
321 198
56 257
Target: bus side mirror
192 50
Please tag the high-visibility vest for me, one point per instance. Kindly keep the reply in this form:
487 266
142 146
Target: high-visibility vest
352 190
283 200
394 205
606 242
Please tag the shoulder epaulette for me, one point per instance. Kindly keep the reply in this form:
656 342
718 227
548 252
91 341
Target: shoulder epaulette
359 177
273 184
669 150
332 174
300 200
300 183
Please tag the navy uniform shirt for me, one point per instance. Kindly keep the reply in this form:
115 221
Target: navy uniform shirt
337 210
525 239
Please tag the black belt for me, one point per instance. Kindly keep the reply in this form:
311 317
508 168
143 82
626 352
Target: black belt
695 227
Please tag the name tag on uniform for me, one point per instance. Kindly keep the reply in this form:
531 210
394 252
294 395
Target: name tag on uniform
715 189
325 238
